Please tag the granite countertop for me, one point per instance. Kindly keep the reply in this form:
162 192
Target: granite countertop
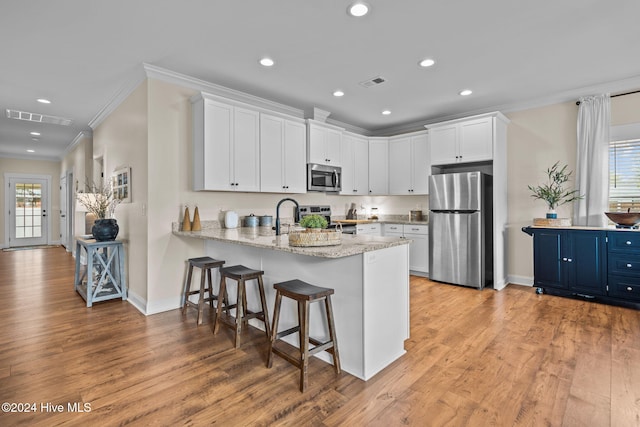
264 237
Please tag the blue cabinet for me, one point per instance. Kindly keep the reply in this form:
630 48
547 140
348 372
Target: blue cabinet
601 265
570 260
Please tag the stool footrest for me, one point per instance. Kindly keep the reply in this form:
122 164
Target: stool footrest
287 332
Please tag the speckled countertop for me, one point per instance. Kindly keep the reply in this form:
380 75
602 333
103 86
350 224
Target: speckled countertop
264 237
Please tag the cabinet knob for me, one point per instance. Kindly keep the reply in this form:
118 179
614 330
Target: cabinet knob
629 266
564 259
628 242
569 260
629 288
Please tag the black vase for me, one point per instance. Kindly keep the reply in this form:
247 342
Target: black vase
105 230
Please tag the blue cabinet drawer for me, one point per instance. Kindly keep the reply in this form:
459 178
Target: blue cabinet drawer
624 241
624 264
624 287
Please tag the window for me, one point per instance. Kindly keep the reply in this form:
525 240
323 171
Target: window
624 175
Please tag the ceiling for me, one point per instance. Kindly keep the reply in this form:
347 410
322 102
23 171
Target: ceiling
80 54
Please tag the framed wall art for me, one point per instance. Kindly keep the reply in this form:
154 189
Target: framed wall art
122 184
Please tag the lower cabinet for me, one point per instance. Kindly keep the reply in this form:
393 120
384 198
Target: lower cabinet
373 229
419 248
592 264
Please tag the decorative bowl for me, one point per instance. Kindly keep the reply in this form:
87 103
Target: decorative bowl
627 219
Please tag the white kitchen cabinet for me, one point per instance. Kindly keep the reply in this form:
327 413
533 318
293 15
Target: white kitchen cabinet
409 165
323 143
371 229
378 166
462 141
283 154
355 165
226 146
419 247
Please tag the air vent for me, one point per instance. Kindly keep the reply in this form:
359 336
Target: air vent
373 81
39 118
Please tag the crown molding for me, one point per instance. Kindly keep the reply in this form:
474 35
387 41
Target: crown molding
169 76
135 80
76 141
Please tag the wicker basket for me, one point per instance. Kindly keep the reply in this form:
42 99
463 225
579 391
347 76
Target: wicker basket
315 237
552 222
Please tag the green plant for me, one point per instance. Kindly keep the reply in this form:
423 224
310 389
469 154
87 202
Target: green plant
553 191
314 221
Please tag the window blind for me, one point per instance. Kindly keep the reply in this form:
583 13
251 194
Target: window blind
624 175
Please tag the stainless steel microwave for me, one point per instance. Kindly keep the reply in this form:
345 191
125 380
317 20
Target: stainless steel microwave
324 178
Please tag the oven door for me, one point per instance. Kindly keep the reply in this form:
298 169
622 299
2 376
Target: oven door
324 178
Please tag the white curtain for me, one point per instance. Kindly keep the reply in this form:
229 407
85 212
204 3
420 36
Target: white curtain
592 165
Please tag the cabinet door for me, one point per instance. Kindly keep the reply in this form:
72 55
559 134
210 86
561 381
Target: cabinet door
476 140
585 261
333 146
271 154
246 150
418 251
317 144
218 140
348 166
400 166
295 154
420 164
378 166
361 166
547 246
444 145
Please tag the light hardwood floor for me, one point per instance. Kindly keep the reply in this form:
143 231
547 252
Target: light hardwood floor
475 358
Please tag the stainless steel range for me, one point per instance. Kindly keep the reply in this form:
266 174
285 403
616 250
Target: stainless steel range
325 211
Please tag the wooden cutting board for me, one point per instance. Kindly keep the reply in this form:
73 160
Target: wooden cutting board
353 221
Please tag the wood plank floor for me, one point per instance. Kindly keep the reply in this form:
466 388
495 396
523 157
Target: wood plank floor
475 358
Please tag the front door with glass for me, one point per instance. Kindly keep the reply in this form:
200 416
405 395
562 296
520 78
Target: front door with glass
28 212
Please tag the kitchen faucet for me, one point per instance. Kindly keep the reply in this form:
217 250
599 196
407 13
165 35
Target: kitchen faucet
296 215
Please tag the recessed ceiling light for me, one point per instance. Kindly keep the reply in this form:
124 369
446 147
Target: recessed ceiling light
338 93
466 92
267 62
386 112
44 101
31 151
35 133
358 9
427 62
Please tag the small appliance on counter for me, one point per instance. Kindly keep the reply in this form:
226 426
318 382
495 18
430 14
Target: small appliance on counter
230 219
351 213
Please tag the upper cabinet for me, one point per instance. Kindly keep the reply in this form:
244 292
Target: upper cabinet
282 155
324 143
378 166
463 141
409 165
226 147
355 165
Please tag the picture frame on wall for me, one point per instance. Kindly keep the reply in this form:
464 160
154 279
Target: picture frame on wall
121 183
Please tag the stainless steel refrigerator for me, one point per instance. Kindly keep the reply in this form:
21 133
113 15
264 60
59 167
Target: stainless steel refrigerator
460 229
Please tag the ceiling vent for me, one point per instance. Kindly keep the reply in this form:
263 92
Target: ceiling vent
373 82
38 118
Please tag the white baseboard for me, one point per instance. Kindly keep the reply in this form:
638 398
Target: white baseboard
521 280
167 304
136 301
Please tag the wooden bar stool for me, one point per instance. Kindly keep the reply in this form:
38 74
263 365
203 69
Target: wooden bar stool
240 274
205 264
303 293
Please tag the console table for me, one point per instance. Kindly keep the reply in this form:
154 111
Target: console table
103 277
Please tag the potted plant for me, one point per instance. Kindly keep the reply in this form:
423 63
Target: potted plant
314 222
101 202
553 191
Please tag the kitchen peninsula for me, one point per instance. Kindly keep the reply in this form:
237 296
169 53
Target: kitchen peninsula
370 275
